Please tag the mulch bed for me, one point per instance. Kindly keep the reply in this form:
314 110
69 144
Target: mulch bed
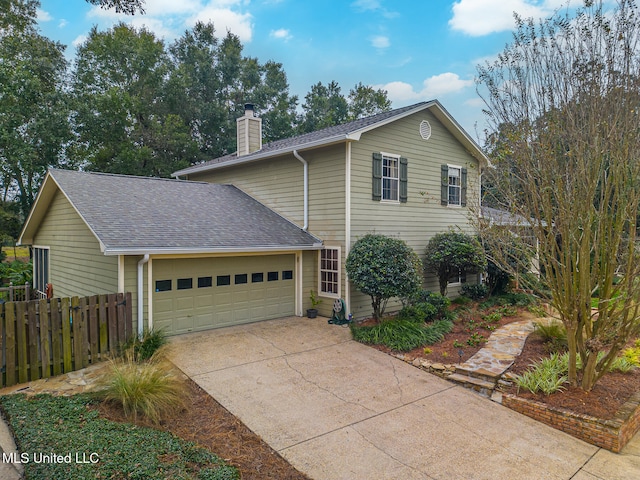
603 401
205 422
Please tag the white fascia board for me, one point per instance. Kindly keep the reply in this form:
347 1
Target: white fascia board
49 196
194 251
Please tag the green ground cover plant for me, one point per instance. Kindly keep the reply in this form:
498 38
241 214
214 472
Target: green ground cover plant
401 335
67 425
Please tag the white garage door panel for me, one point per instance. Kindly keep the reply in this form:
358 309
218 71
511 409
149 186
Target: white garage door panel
202 308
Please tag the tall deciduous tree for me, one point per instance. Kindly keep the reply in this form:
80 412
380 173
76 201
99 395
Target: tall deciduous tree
210 83
565 94
129 7
33 113
121 119
324 106
365 101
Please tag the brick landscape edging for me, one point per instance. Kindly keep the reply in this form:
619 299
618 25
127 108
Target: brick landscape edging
611 434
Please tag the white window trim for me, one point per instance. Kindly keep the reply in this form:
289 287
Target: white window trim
386 200
453 205
459 282
327 294
41 247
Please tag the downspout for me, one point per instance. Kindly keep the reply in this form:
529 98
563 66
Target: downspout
141 263
306 189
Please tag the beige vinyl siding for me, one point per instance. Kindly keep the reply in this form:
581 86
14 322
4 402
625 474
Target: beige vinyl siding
279 184
422 216
77 266
276 183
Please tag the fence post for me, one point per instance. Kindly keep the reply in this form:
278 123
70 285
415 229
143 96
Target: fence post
93 329
56 340
21 337
32 322
45 349
67 346
10 336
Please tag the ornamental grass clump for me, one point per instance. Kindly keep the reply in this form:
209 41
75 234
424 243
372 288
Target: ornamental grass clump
401 335
546 376
151 388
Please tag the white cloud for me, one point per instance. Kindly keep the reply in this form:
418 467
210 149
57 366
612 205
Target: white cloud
281 33
161 8
482 17
433 87
43 16
62 23
225 19
167 19
80 39
380 41
160 28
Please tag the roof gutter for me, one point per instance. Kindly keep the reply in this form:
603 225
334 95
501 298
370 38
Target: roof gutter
141 263
306 189
210 251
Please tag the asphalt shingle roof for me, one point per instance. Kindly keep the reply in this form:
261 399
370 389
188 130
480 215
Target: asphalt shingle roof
130 213
300 141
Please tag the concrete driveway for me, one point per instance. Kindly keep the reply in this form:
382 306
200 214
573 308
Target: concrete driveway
336 409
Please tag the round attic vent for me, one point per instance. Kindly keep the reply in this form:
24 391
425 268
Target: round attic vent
425 130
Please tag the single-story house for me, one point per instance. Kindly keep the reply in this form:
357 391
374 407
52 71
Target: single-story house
247 236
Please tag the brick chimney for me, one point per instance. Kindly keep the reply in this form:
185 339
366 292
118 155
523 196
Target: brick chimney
249 131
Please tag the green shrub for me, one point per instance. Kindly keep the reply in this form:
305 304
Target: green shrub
452 252
633 353
475 339
494 317
144 348
401 335
426 296
383 267
507 311
475 291
418 312
151 388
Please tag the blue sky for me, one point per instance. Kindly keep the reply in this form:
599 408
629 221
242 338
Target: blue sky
416 50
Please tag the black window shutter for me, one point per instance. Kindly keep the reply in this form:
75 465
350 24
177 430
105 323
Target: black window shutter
377 176
403 179
463 190
444 185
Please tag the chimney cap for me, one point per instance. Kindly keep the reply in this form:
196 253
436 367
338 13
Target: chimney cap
248 106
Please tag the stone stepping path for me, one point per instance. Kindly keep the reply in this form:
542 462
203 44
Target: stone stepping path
484 369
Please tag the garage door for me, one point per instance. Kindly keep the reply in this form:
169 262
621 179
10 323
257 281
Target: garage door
202 293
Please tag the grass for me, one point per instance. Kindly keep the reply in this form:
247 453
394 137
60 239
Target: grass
401 335
21 252
149 388
66 425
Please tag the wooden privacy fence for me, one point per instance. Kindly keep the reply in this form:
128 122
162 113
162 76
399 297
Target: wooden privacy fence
47 337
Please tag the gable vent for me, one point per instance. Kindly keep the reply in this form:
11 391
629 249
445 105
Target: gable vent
425 130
